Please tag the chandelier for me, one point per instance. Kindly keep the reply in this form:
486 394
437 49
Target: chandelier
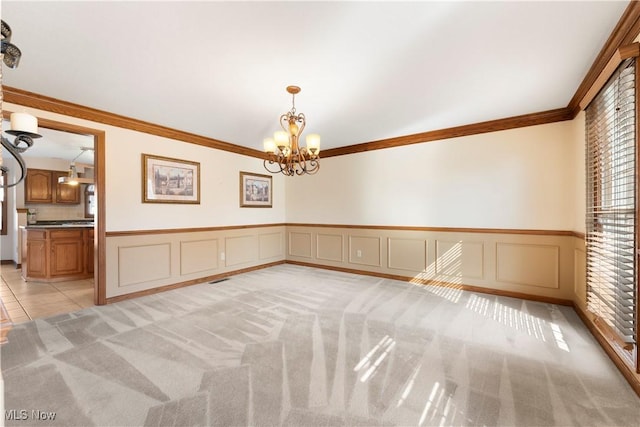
284 153
24 127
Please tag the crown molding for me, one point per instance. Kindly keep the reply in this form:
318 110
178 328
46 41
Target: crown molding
544 117
623 34
46 103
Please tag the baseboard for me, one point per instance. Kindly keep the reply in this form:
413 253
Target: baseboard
632 378
6 262
440 283
190 282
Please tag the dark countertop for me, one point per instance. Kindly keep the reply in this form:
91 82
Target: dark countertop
60 224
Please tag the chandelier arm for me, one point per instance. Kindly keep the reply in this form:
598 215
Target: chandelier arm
302 158
314 169
284 122
303 122
14 151
271 162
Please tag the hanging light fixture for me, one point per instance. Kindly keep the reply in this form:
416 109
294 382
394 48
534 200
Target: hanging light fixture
284 154
72 178
23 126
11 53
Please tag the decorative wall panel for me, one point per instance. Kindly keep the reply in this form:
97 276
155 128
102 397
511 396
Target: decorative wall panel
330 247
300 244
407 254
364 250
270 245
460 259
198 256
528 264
144 263
241 249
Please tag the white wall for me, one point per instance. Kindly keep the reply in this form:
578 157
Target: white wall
220 204
520 178
219 188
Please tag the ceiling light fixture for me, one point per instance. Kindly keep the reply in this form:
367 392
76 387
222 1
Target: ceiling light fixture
72 178
23 126
11 53
284 151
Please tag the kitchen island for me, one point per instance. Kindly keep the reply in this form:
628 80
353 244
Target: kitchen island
54 251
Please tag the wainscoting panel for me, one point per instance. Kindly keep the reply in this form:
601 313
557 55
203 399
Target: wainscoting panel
459 259
144 263
407 254
147 260
538 263
528 264
270 245
580 271
198 256
300 244
364 250
241 250
329 247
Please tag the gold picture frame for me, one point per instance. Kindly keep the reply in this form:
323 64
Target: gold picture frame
256 190
168 180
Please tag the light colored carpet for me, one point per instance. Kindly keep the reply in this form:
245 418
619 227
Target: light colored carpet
297 346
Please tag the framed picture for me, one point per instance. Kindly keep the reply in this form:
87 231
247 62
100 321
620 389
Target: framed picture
255 190
167 180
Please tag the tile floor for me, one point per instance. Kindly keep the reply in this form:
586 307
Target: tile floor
25 301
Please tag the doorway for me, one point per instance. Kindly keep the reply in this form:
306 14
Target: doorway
43 299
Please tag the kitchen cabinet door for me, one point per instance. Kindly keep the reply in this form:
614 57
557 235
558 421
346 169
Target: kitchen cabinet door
37 186
66 257
35 258
65 193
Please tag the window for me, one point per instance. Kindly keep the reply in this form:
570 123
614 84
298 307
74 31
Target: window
612 283
90 201
3 200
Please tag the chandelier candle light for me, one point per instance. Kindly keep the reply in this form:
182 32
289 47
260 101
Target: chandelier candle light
284 151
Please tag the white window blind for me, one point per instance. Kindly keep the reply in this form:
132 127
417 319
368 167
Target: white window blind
611 203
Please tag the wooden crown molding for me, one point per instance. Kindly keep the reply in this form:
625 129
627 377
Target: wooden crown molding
544 117
625 52
42 102
624 33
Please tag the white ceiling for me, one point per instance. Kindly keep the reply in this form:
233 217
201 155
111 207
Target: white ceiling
368 70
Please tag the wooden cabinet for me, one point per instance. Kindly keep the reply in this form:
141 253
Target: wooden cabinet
67 253
57 254
65 193
37 186
41 186
89 258
35 254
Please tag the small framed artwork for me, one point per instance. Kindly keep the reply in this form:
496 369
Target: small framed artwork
167 180
255 190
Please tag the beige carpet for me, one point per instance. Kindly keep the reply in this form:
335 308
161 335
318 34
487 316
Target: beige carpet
297 346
